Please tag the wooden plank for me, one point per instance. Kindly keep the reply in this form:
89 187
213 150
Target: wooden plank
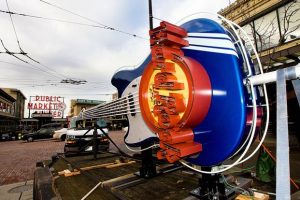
96 166
120 164
117 163
114 182
67 173
257 196
72 174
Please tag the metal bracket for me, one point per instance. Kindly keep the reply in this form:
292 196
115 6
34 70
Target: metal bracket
282 139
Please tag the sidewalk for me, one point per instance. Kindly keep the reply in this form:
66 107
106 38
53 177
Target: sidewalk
17 191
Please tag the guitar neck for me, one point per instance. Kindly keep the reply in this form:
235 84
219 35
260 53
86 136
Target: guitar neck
122 106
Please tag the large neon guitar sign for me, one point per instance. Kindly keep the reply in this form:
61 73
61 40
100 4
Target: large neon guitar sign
188 95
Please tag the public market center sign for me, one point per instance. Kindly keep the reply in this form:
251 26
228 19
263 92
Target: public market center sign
43 105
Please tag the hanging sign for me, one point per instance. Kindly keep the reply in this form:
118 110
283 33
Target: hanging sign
45 105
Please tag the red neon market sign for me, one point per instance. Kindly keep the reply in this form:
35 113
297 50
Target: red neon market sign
47 104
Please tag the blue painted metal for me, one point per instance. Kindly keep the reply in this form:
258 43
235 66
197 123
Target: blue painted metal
122 78
223 129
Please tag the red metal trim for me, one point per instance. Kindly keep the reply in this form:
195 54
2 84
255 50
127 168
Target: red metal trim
176 115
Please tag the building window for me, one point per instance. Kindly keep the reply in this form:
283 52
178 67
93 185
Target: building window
267 31
290 21
250 32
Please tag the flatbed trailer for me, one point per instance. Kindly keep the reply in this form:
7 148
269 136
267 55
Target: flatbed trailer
116 180
112 176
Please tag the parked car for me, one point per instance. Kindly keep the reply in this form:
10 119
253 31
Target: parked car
5 136
60 134
43 133
81 140
55 126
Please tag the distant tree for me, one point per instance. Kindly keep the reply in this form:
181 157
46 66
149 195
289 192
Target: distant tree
290 11
264 33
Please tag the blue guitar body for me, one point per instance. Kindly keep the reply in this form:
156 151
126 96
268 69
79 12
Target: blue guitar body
223 129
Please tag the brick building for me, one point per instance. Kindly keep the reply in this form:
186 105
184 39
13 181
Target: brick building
12 102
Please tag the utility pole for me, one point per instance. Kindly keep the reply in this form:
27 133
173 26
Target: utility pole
150 14
29 108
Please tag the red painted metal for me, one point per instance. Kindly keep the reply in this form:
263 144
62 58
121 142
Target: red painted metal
172 116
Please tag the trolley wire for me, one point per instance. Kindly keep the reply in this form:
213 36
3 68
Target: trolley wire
50 19
22 51
100 25
14 28
94 21
13 53
53 72
16 35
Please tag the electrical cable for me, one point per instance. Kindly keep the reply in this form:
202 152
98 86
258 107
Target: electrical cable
239 161
158 18
265 94
13 54
254 117
94 21
120 151
49 19
235 187
73 13
245 58
25 54
243 170
16 35
32 66
140 150
18 42
14 28
32 16
274 159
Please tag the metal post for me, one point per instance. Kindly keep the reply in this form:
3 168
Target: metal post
148 169
282 140
95 143
296 85
29 108
63 111
150 14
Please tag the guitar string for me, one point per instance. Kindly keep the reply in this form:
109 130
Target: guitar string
112 109
112 102
103 106
112 115
123 105
118 110
109 112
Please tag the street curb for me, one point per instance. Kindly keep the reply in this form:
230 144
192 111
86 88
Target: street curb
42 187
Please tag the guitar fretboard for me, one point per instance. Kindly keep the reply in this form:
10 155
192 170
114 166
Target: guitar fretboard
127 105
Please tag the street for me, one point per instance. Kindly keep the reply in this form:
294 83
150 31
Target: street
18 158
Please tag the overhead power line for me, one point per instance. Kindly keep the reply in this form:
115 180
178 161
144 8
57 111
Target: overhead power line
21 50
13 53
13 25
94 21
31 65
51 19
53 72
17 38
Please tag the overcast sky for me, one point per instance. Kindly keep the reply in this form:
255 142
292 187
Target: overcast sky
81 52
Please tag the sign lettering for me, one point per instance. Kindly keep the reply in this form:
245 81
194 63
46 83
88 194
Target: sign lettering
41 105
